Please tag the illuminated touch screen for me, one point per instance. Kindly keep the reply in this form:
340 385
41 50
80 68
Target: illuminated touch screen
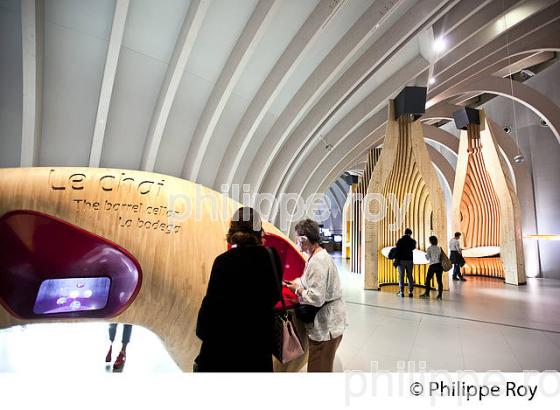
72 295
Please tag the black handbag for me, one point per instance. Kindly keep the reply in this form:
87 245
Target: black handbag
307 313
393 256
462 261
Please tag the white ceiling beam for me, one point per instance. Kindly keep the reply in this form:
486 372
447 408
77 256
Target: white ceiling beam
472 30
345 154
442 137
318 82
443 165
109 73
333 200
416 19
232 71
538 34
313 87
32 30
344 186
183 47
530 60
537 102
343 161
313 177
439 111
271 87
343 189
487 40
338 196
463 11
373 103
338 160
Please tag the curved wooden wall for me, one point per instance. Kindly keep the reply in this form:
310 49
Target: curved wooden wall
404 167
491 267
485 206
479 210
176 262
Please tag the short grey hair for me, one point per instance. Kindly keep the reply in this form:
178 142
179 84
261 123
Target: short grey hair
310 229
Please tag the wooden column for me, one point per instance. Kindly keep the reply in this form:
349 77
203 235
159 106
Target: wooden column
485 206
479 210
357 261
404 169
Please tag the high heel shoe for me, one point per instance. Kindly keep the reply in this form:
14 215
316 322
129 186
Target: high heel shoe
109 354
121 359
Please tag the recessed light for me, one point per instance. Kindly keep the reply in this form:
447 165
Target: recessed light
440 44
432 80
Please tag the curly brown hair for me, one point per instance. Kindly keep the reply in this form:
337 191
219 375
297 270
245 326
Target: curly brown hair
245 228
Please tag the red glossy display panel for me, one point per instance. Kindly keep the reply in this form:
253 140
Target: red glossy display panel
292 262
41 256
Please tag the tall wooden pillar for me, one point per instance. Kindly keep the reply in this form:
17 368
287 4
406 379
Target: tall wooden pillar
357 263
485 205
404 170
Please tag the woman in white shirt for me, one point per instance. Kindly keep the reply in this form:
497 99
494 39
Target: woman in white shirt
320 287
433 254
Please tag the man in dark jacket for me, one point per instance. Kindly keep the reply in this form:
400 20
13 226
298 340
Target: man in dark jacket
405 246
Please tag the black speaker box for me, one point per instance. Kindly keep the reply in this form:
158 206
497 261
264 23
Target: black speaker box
350 178
411 100
466 116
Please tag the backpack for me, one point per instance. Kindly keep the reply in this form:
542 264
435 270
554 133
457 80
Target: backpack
392 253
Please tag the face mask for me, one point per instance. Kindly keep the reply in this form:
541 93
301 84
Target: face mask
300 240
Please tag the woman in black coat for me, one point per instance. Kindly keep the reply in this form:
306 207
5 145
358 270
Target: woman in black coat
236 318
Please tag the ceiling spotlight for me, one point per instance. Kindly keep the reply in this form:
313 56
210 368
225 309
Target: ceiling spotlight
440 44
519 158
328 147
543 122
432 80
507 129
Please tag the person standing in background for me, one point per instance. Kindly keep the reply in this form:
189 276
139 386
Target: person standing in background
433 255
456 257
405 247
121 358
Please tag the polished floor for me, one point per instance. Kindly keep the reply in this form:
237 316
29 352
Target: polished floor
479 325
482 324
